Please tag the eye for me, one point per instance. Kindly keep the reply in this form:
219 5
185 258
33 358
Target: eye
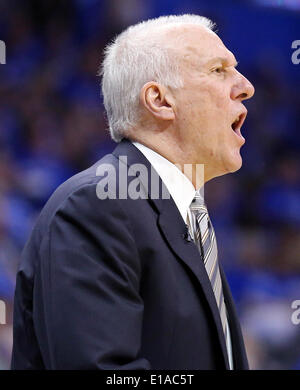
220 69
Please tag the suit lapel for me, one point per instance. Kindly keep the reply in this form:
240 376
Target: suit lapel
238 347
173 229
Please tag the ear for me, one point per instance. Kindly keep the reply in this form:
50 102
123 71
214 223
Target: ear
158 101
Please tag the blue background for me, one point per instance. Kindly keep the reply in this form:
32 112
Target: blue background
52 125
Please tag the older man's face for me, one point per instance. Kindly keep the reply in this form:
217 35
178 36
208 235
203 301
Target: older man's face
209 109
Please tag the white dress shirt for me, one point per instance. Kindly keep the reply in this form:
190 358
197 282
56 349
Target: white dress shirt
179 186
182 191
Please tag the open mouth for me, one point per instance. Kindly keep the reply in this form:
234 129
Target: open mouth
238 123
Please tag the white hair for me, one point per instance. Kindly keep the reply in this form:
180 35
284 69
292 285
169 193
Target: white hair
134 58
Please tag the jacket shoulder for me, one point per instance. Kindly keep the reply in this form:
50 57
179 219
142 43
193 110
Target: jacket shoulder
81 187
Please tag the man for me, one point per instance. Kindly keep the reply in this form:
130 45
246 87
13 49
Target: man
109 281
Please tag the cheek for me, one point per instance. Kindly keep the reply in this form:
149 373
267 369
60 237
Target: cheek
221 100
215 98
206 109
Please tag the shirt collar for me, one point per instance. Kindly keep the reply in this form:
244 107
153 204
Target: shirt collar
179 186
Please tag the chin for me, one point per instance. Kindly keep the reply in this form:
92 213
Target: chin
234 164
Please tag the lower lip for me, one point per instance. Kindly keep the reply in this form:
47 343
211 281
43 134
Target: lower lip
240 137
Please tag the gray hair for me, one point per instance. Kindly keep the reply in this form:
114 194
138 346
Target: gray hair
134 58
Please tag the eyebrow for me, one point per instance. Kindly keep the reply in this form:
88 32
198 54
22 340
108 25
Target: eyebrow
223 60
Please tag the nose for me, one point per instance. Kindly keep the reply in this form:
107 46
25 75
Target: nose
242 89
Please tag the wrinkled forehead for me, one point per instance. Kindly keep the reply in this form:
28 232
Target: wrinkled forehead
197 45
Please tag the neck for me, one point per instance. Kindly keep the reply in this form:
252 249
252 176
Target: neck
170 149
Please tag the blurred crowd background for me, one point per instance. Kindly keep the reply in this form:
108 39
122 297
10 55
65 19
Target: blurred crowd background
52 125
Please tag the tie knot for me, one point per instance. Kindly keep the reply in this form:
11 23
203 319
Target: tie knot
198 204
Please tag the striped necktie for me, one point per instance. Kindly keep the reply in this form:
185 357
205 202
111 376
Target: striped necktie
204 237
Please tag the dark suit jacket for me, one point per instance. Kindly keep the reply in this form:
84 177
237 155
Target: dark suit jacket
114 284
